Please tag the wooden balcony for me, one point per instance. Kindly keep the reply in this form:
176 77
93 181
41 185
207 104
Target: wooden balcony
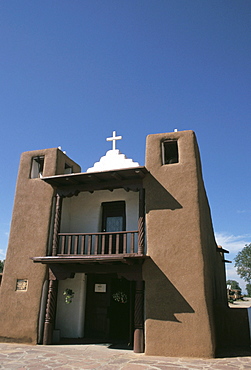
103 244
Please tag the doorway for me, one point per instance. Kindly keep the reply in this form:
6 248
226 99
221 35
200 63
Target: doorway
113 220
113 216
109 309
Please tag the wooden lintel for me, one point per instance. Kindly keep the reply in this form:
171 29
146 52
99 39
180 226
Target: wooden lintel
116 176
94 177
71 190
129 259
140 173
222 250
130 271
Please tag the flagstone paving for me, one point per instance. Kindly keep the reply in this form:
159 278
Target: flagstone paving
70 357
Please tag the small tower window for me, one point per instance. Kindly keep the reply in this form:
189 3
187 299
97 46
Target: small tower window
37 167
170 152
67 168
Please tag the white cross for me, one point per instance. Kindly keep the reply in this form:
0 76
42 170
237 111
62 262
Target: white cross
114 138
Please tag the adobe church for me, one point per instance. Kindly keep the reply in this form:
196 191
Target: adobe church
121 253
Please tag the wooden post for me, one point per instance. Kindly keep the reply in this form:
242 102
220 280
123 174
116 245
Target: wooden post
138 345
50 310
56 228
141 221
53 283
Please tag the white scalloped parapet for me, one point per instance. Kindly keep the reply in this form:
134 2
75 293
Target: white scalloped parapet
113 160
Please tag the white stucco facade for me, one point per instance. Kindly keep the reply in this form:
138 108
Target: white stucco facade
70 317
82 213
112 160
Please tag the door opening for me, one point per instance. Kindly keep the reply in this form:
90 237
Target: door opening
113 219
109 309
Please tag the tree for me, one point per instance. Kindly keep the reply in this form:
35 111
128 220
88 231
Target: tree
234 284
248 288
243 263
1 265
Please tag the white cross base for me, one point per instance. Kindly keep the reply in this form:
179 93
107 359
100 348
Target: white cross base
114 138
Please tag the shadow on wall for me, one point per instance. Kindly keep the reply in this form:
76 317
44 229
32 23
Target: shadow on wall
158 197
163 300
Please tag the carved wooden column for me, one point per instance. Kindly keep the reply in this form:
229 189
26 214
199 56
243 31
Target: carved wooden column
50 309
141 221
56 228
138 345
53 282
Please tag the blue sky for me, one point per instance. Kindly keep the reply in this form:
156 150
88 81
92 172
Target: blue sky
72 71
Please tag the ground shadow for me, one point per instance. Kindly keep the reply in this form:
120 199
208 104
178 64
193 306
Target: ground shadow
110 343
121 345
233 352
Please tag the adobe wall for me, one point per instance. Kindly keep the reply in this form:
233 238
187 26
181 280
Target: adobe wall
29 235
232 328
178 277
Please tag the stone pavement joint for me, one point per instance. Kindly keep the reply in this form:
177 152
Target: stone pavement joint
95 357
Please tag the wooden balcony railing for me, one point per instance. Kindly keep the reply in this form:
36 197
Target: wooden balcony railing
91 244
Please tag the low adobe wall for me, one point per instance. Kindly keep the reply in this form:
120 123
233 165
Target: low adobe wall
232 327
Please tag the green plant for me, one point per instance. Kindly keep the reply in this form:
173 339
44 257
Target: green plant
120 297
243 263
69 294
